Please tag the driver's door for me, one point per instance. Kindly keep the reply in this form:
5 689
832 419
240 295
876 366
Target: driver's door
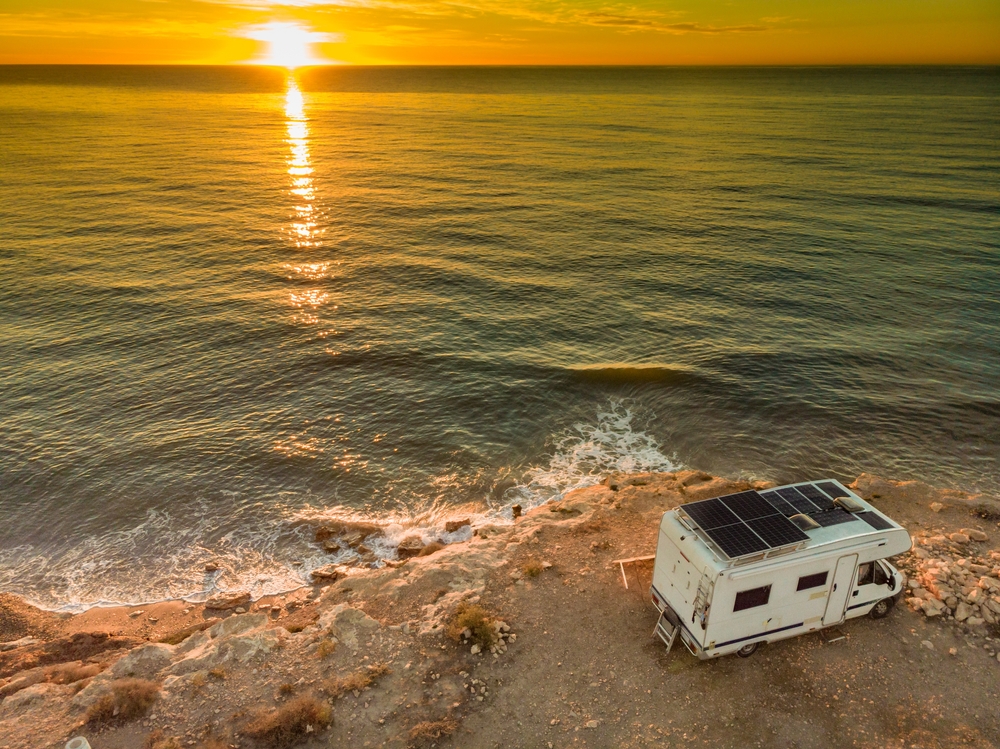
871 585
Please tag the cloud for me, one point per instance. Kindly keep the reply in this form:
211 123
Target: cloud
639 23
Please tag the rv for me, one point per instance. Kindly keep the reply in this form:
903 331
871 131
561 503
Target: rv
737 571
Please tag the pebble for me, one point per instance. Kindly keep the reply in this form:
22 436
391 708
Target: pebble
927 644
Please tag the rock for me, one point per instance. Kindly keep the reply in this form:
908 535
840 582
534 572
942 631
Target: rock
979 569
975 621
990 585
933 607
22 643
328 573
37 693
975 535
958 538
453 525
475 649
236 625
963 611
952 651
211 567
144 662
927 644
992 605
228 600
240 610
591 724
410 546
936 507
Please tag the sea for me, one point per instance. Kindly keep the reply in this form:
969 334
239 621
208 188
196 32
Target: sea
236 302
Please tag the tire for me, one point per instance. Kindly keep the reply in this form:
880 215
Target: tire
747 650
880 609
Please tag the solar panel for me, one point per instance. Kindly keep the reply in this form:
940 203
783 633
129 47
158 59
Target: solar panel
797 500
776 531
833 490
748 505
710 513
736 540
746 523
815 496
779 504
875 520
833 517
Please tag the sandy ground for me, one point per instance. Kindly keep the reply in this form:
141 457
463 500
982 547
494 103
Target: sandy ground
583 669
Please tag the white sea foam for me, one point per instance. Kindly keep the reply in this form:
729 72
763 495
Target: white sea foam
585 454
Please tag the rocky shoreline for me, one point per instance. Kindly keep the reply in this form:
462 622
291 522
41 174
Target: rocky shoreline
519 635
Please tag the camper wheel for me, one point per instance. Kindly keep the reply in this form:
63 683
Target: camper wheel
747 650
881 608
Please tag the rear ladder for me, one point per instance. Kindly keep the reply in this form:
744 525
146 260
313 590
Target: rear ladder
667 627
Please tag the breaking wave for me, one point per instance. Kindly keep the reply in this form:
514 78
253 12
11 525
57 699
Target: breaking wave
268 551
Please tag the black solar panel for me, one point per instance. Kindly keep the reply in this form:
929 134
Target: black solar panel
746 523
779 504
748 505
876 521
777 530
833 517
710 513
832 489
736 540
797 500
815 496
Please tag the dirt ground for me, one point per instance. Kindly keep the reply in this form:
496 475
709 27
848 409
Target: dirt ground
582 670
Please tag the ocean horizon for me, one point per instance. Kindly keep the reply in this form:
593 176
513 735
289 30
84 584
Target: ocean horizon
238 300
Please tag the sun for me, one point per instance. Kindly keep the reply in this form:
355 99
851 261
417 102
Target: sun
289 45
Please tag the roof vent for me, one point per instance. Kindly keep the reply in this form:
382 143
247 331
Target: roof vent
848 504
804 522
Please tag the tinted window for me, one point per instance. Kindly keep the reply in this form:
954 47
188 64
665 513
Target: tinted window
812 581
881 578
748 599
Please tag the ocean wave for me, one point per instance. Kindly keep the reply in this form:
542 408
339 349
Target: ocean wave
269 551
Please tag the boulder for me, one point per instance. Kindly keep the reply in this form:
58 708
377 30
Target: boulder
936 507
22 643
145 661
958 538
453 525
933 607
237 625
328 573
963 611
990 585
410 546
974 534
37 693
228 600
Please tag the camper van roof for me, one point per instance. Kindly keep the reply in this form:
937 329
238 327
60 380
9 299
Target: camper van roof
751 525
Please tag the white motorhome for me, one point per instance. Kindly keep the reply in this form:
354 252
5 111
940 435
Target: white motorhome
755 567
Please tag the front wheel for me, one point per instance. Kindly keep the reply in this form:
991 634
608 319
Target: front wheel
747 650
881 608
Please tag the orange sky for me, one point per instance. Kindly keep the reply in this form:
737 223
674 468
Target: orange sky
501 31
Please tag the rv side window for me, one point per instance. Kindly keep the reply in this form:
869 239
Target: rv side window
748 599
880 577
812 581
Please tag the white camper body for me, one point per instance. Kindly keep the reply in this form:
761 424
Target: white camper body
720 603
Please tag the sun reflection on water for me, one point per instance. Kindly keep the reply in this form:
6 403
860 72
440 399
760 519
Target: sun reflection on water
305 230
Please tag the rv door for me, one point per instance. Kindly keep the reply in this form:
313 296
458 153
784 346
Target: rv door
843 583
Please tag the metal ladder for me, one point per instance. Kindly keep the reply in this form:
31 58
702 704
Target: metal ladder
667 627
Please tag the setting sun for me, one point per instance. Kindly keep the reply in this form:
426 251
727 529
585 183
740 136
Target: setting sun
289 45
